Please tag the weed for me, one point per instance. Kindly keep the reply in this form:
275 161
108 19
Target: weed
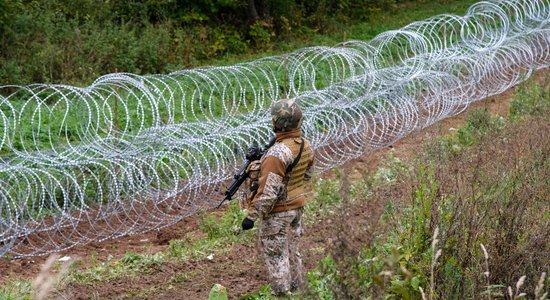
181 277
131 264
264 293
196 249
16 290
225 226
325 199
140 293
222 230
320 282
391 168
531 99
479 123
47 279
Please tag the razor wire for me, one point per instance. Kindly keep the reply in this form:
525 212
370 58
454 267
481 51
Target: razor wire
130 154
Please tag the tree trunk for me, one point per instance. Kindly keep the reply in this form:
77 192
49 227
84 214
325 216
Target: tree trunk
252 12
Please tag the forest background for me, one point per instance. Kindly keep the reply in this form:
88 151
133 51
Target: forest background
76 41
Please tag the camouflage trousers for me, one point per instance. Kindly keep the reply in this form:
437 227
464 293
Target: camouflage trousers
280 234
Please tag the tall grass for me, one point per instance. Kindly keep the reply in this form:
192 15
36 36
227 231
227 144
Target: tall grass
484 190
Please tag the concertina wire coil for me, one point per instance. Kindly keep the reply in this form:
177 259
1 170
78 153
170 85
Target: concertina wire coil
131 153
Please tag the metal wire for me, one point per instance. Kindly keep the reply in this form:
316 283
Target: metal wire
131 153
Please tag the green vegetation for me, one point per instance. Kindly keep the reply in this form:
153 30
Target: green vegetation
61 41
220 233
217 235
263 294
478 124
16 290
531 99
325 199
473 205
131 264
218 292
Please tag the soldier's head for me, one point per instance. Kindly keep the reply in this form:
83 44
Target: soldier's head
286 115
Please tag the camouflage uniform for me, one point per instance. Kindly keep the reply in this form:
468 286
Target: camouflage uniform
280 234
279 200
250 186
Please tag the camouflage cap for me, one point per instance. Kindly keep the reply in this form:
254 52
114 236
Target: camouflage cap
286 115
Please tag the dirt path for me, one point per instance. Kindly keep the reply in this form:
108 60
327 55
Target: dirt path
240 269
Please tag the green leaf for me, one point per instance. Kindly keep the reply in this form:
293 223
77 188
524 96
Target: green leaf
218 292
415 283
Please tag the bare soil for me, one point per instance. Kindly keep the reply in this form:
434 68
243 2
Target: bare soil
240 270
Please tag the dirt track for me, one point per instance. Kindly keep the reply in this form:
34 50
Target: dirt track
239 270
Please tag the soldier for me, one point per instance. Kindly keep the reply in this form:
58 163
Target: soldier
279 200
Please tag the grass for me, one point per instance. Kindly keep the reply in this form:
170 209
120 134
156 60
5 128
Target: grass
141 293
131 264
487 184
382 21
216 235
264 293
324 201
183 277
531 99
16 290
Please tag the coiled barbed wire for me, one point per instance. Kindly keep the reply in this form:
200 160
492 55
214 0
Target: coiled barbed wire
131 153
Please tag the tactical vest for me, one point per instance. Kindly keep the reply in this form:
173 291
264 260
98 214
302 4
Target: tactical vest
293 195
295 186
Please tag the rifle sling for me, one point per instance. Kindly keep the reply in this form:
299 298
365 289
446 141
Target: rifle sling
293 164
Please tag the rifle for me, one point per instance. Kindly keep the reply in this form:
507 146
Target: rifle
254 153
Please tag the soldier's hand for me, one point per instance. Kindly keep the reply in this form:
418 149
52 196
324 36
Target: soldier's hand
247 224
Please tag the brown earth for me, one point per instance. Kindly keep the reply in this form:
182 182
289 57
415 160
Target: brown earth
240 269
